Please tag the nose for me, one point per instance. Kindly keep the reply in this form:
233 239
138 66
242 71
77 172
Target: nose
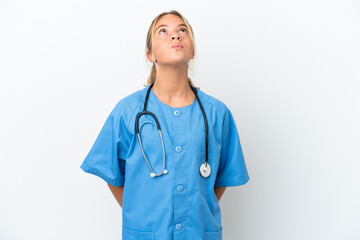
176 36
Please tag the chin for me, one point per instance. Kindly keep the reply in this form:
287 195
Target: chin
179 61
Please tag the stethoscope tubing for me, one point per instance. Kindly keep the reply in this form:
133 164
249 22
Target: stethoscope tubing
206 124
158 126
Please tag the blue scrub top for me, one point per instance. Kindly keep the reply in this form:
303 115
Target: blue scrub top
181 204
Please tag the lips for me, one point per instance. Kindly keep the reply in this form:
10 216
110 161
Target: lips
177 46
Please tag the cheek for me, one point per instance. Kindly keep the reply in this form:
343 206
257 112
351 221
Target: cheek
187 40
161 38
159 47
190 45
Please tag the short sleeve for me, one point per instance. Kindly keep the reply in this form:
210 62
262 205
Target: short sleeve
232 169
106 158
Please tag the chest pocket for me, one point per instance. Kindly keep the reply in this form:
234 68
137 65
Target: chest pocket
206 184
129 234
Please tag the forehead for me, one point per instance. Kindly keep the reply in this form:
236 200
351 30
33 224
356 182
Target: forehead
169 19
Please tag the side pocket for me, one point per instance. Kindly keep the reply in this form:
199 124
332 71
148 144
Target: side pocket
213 235
130 234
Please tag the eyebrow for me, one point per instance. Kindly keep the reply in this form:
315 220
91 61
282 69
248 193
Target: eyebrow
164 25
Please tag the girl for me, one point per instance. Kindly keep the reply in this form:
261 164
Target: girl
169 150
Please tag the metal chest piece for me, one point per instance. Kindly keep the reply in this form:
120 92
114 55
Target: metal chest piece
205 169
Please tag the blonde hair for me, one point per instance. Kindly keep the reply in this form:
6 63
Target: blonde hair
150 40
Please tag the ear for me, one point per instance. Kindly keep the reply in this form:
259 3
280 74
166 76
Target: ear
149 56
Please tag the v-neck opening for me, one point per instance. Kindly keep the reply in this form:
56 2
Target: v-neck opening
170 107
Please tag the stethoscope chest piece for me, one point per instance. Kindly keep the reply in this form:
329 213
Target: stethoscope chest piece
205 169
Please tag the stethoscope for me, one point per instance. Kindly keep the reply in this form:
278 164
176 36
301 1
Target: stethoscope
205 169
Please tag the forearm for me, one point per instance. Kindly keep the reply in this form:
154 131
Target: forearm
118 193
219 191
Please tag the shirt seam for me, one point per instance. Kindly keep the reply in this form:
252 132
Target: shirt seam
132 114
233 182
114 182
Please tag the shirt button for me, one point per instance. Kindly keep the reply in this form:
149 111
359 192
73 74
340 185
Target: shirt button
180 188
177 113
178 226
178 148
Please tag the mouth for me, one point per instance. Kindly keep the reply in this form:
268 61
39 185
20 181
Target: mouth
177 46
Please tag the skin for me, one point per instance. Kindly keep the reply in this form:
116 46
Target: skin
171 84
117 192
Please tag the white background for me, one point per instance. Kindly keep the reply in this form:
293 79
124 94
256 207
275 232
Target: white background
288 71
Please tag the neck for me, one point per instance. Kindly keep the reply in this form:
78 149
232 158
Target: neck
172 82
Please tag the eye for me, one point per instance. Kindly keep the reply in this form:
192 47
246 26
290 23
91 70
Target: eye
162 30
184 29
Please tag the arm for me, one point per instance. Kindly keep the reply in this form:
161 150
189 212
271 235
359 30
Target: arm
219 191
117 192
